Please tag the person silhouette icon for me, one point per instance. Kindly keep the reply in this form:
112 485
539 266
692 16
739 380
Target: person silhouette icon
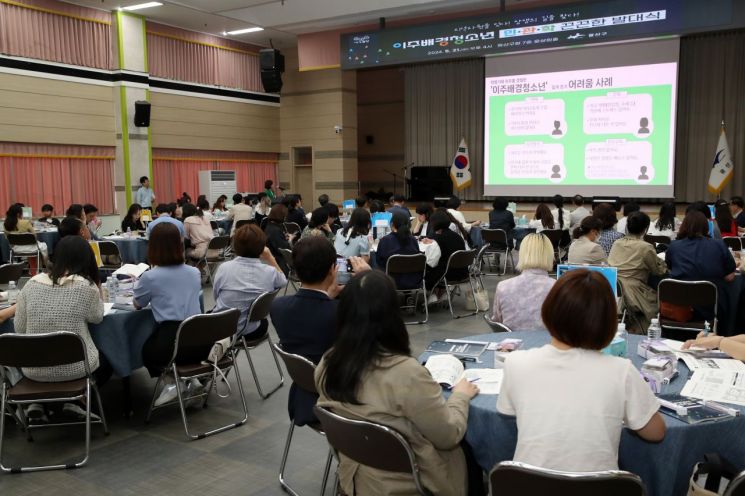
557 131
643 126
556 172
643 173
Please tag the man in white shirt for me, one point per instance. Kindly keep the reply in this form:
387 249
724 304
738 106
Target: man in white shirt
239 211
145 197
628 209
578 213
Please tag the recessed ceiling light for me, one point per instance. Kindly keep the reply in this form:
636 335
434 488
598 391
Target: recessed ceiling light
142 6
247 30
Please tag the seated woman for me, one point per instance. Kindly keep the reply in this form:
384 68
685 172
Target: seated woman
67 299
694 256
501 218
198 231
423 228
319 225
132 219
352 241
543 219
568 393
724 219
734 346
218 208
276 234
172 290
295 212
452 205
334 221
585 249
608 234
240 281
562 217
637 260
15 224
370 374
399 242
517 301
666 224
447 242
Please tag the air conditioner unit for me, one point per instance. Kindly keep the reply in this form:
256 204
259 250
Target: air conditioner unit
213 183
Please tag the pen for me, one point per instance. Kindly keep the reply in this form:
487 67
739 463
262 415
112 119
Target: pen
474 380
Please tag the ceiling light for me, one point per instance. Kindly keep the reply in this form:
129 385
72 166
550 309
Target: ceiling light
247 30
142 6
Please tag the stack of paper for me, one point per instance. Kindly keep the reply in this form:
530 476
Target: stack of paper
132 270
725 386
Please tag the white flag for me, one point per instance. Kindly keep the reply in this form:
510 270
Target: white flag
722 168
460 171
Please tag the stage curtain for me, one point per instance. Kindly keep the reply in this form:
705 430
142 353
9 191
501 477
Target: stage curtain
56 31
59 175
444 102
711 89
177 171
195 57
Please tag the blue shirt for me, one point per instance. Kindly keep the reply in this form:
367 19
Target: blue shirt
357 247
172 291
168 219
144 197
699 259
239 282
400 209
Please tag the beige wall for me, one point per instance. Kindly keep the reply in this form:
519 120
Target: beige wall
41 110
380 114
313 103
207 124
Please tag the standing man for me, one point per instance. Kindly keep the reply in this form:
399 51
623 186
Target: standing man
145 196
268 189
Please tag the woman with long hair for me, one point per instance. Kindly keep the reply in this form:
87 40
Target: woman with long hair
319 225
132 219
15 223
562 218
423 228
724 218
543 219
276 234
666 224
198 230
352 240
447 242
370 374
399 242
219 205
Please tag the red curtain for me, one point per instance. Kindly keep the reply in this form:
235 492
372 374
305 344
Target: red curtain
56 31
58 175
177 171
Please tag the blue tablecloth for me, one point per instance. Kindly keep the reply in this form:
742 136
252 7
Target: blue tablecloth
225 225
665 467
51 238
133 250
519 233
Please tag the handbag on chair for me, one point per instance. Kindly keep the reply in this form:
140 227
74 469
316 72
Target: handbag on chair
715 468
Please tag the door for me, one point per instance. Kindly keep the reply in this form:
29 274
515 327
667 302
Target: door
304 186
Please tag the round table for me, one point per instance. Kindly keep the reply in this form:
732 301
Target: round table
51 238
664 467
132 250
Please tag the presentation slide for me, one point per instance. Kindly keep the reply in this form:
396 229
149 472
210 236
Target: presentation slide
592 131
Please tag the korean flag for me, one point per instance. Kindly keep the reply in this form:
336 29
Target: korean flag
460 171
722 167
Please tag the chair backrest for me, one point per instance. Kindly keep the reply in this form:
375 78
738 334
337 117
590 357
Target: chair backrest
203 330
213 225
657 239
494 235
11 272
244 222
369 444
292 227
287 256
553 235
406 264
301 369
461 259
736 486
42 350
108 248
21 239
514 478
219 243
496 326
733 242
688 293
259 309
263 222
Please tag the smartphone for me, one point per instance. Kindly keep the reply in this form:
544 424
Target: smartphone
343 270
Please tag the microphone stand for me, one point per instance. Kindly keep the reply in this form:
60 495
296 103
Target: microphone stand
407 181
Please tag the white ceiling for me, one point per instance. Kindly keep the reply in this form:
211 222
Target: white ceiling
283 20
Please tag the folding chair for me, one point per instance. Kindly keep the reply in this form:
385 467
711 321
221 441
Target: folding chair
215 253
410 264
259 311
733 243
244 222
518 479
371 444
47 350
201 331
301 371
292 228
214 226
110 256
31 244
292 278
554 235
736 486
688 294
496 326
654 240
461 259
491 238
10 272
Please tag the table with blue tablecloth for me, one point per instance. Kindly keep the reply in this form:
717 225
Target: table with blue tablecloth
133 250
51 238
664 467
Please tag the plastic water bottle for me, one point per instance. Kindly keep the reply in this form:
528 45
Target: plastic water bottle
523 220
129 232
12 293
654 331
113 285
622 336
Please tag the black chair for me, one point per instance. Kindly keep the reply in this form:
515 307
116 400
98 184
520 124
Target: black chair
201 331
244 222
370 444
494 240
461 259
410 264
10 272
28 240
110 255
496 326
301 371
292 278
215 253
259 311
520 479
292 228
46 350
733 243
696 294
655 240
555 236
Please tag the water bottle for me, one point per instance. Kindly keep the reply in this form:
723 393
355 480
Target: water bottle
113 288
523 220
622 336
129 232
654 331
12 293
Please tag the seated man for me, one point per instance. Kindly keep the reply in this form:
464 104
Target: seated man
240 210
47 212
164 215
